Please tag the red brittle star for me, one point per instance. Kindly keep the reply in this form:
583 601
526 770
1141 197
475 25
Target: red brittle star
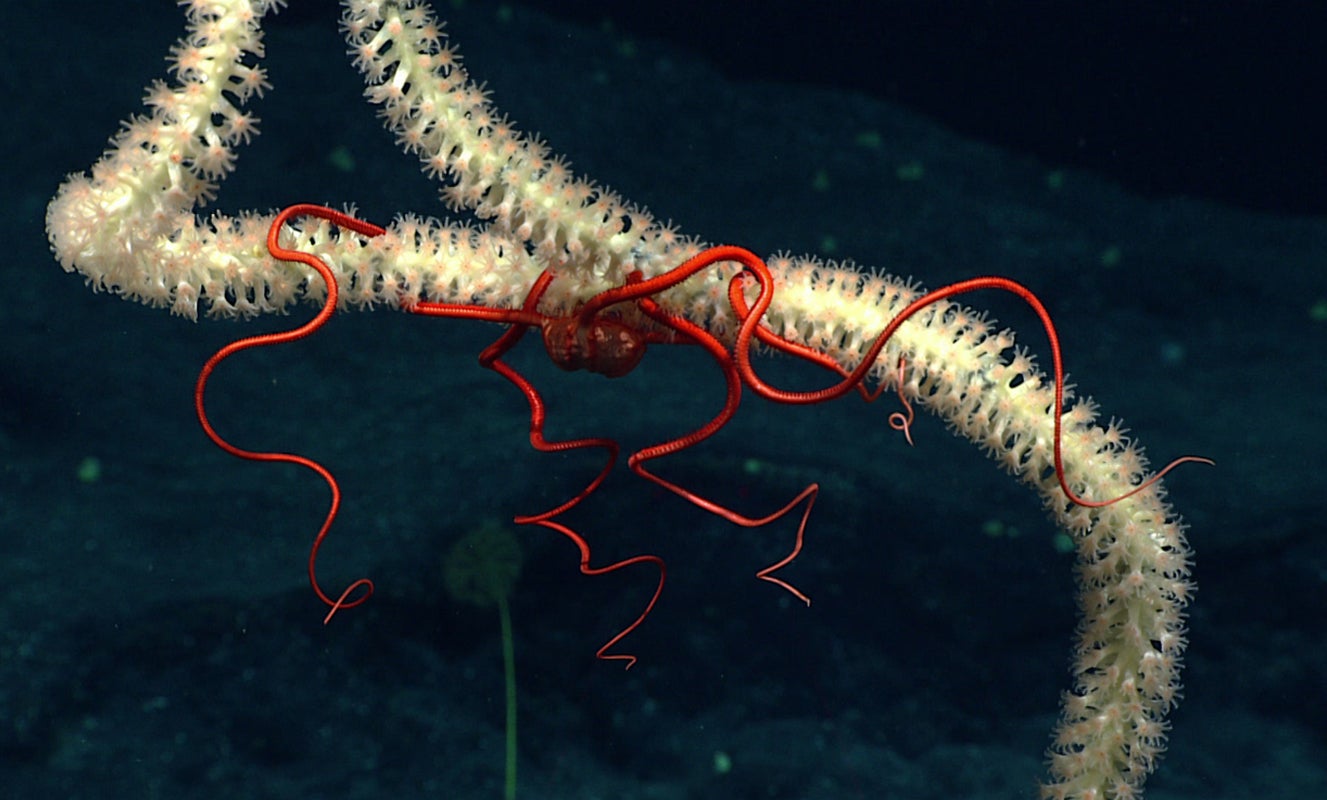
597 336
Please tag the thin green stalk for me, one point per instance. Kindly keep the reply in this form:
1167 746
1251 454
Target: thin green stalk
509 675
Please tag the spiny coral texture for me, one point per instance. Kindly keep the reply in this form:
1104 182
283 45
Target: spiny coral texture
1133 563
130 228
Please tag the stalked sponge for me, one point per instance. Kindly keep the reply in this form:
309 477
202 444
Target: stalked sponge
483 566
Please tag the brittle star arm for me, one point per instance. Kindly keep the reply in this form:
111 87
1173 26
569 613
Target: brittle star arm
491 358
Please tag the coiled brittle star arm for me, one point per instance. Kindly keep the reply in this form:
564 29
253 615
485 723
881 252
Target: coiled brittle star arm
281 253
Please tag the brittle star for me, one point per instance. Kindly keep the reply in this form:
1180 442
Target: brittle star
599 338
